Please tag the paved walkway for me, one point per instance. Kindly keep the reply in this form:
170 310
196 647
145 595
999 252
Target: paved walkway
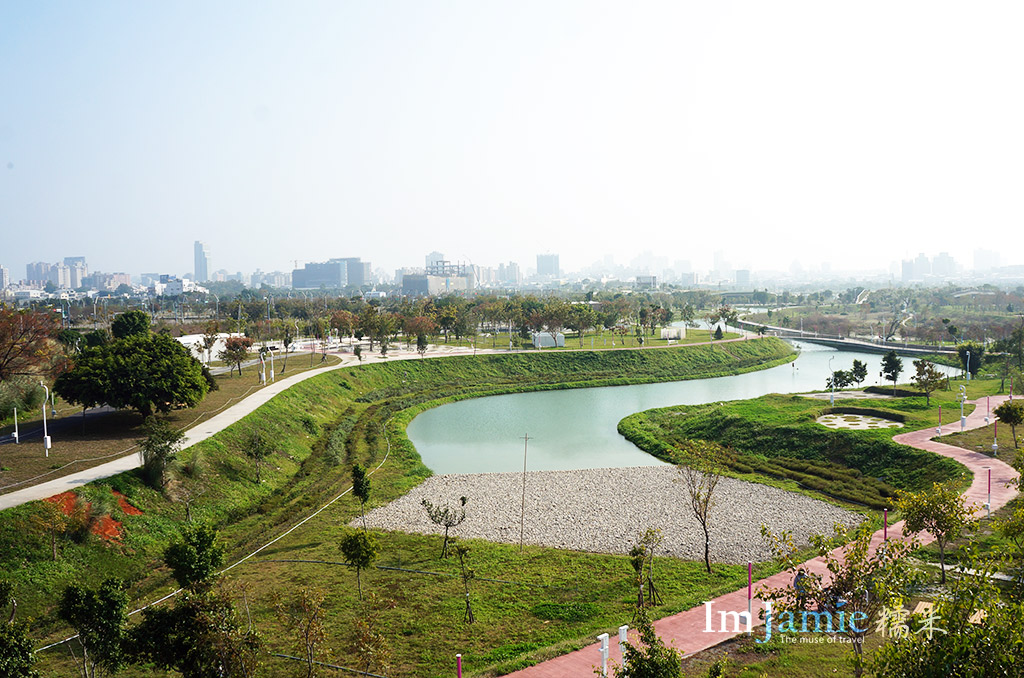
219 422
686 630
196 434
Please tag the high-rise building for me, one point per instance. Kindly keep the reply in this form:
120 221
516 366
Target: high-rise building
943 265
509 274
434 258
37 273
329 275
201 271
60 275
5 278
547 265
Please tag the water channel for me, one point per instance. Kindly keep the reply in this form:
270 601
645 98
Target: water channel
576 428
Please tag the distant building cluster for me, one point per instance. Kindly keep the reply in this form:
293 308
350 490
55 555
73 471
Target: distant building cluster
71 277
333 274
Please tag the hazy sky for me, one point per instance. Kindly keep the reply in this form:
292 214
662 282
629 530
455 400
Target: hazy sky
855 133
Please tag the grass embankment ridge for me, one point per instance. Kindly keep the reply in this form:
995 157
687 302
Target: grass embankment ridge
778 437
320 427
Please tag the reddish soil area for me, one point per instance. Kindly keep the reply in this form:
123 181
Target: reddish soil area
105 527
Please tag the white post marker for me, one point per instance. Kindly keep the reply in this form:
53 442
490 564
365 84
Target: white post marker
46 437
750 596
623 630
603 649
988 506
938 429
15 434
271 364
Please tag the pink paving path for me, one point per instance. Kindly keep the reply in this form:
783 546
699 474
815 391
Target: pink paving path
686 629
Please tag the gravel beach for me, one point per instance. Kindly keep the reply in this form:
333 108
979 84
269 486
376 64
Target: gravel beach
603 510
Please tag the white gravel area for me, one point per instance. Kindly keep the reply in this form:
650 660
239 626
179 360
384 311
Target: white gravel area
603 510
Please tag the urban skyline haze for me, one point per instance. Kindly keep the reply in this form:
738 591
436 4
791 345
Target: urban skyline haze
854 135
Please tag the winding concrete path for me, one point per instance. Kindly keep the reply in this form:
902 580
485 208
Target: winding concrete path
686 630
219 422
200 431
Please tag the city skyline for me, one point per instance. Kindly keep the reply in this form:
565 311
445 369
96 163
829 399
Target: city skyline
798 132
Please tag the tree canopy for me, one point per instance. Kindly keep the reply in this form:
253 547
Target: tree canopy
129 324
141 372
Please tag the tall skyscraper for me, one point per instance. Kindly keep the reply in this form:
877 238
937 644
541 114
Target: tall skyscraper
5 278
201 272
547 265
37 273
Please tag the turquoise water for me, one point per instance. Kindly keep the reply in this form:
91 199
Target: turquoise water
576 428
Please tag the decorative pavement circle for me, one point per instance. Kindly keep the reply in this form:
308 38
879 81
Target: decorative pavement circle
856 422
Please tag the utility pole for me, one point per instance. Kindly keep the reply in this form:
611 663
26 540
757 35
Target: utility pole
522 508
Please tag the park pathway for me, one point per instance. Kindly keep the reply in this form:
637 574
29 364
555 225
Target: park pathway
219 422
686 630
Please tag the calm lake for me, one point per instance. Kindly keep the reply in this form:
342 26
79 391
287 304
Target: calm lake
576 428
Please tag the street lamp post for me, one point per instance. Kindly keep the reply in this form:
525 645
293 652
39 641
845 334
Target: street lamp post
963 400
832 377
46 437
968 366
15 434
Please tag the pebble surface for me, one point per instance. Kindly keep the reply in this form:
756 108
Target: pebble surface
604 510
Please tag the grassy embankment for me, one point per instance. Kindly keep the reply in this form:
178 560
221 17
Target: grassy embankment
777 437
320 427
80 443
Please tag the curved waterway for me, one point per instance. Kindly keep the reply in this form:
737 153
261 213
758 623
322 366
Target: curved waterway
576 428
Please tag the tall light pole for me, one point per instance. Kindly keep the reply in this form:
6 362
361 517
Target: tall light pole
968 366
963 400
46 437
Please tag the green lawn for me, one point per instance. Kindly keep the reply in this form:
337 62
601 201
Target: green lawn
320 427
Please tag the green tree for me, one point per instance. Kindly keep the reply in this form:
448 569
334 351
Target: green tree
99 618
158 450
1011 413
940 511
892 366
701 473
258 448
976 352
859 372
210 336
958 646
839 379
50 518
130 323
360 549
361 489
195 559
863 582
446 517
650 657
235 352
145 373
202 636
358 350
467 575
16 654
421 344
927 379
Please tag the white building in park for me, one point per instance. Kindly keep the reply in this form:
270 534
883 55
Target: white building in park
548 339
673 332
